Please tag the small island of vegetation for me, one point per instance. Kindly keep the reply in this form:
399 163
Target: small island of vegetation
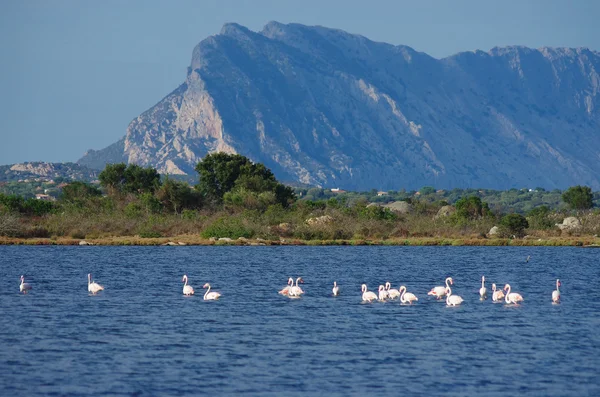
237 201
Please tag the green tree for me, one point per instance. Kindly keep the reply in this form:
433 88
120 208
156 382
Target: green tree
120 178
579 197
221 173
471 208
513 224
539 218
178 196
78 191
425 190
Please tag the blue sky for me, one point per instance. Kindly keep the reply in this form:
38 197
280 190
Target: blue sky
74 73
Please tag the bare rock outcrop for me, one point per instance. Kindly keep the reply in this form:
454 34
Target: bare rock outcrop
400 207
570 223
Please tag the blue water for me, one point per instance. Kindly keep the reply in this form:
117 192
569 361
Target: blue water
142 337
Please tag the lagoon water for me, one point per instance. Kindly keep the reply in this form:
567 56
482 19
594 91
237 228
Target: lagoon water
142 337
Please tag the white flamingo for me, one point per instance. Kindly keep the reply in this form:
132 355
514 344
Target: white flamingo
497 294
555 294
439 292
383 295
93 286
295 290
483 290
512 297
24 287
393 293
286 290
452 300
210 296
335 290
187 289
407 297
368 296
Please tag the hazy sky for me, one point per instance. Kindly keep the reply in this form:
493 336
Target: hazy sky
74 73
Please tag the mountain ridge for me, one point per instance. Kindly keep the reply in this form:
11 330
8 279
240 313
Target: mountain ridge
328 108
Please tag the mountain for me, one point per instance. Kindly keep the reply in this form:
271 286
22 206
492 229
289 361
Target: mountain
324 107
38 169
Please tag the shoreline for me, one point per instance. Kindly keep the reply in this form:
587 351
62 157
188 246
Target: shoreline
189 240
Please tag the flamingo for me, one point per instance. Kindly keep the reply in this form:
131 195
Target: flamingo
210 296
497 295
295 290
440 291
452 300
187 289
286 290
407 297
483 290
93 286
383 295
555 294
512 297
368 296
24 287
392 292
335 289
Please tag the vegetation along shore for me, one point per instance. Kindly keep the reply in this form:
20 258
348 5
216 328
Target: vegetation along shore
237 202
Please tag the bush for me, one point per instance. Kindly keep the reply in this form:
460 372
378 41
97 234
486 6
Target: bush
232 227
579 197
513 225
539 218
9 225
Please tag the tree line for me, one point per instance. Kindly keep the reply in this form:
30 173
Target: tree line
235 197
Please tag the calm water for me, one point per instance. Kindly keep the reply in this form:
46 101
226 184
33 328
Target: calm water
142 337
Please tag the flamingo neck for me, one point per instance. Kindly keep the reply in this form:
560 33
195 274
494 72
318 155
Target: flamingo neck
448 293
297 281
207 291
482 282
447 281
403 289
557 286
507 293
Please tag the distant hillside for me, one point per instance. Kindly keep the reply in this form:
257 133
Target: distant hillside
33 170
327 108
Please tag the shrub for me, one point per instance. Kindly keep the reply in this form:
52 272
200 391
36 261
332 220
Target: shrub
232 227
539 219
513 224
579 197
9 225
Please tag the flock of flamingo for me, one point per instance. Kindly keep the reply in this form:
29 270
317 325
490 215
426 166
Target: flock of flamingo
386 292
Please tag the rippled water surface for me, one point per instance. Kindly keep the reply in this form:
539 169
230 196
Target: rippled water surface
142 337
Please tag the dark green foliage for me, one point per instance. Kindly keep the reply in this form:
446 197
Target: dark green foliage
539 218
374 212
425 190
513 224
471 208
579 197
79 191
120 178
221 173
11 203
178 196
232 227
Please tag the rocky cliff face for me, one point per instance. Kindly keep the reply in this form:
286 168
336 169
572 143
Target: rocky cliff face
324 107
